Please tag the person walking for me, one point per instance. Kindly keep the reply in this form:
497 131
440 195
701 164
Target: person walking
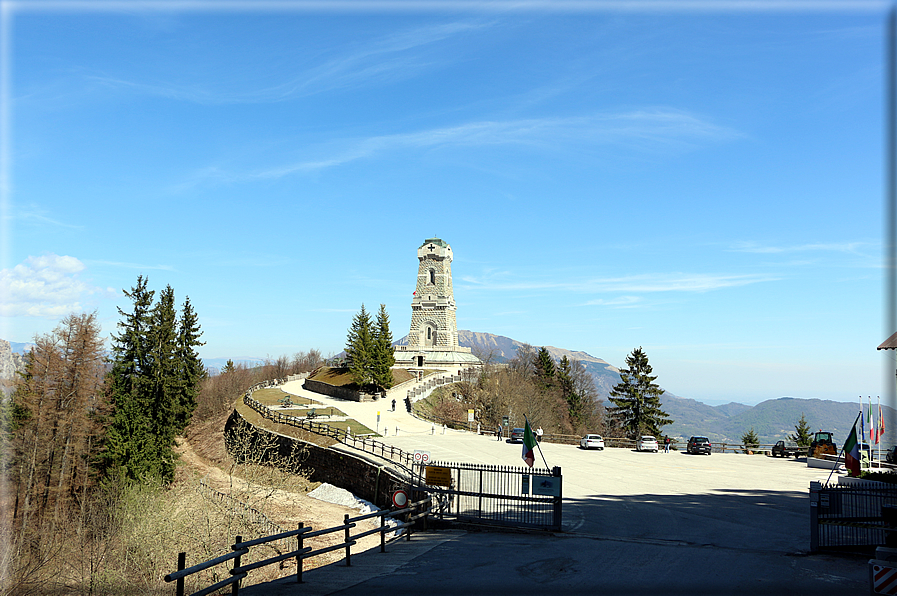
393 405
498 435
666 444
539 435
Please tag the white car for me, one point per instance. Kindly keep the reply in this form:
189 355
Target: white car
646 443
592 442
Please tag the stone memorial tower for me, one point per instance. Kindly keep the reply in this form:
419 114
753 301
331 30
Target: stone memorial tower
433 306
433 337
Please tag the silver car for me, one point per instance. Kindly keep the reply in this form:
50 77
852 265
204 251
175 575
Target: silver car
591 442
646 443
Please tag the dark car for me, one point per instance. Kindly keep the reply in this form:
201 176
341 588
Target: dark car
517 435
698 445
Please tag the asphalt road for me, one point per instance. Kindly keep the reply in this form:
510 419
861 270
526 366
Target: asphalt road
634 523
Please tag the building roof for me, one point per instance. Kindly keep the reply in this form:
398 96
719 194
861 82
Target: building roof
889 344
437 241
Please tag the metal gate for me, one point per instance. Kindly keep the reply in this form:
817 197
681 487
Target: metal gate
849 517
501 495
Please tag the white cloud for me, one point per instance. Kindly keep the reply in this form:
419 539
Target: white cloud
44 286
641 129
843 247
647 283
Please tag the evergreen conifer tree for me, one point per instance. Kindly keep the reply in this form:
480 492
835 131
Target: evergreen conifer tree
191 371
802 434
636 399
152 386
544 367
384 356
360 349
750 440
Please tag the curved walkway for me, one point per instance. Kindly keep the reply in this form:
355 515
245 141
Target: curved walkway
390 424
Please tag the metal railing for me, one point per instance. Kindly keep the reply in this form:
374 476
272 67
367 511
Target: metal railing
850 518
365 444
413 512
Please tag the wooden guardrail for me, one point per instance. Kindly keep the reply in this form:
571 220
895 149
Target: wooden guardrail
413 512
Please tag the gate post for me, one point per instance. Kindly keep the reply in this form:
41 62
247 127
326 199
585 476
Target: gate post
557 517
815 488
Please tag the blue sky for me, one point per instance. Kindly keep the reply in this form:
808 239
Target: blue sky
706 184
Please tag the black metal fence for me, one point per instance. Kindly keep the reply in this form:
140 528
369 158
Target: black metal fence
849 517
499 495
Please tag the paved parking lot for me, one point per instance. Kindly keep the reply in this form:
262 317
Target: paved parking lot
634 523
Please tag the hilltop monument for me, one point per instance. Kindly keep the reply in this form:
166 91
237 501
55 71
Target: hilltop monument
433 337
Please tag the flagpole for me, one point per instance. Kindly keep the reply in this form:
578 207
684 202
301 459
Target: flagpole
538 444
842 445
877 432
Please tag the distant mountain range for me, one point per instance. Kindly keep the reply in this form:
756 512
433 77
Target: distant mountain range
772 419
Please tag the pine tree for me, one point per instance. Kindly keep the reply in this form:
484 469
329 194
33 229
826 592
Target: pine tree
802 434
191 371
750 440
152 385
129 443
384 356
544 367
637 408
360 349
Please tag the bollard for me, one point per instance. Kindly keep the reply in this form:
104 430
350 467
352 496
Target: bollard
443 429
432 429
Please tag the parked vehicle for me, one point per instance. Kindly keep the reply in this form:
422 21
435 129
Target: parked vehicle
591 442
698 446
517 435
646 443
823 444
783 449
891 456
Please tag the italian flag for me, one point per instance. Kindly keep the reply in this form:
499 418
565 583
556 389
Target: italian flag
852 453
529 443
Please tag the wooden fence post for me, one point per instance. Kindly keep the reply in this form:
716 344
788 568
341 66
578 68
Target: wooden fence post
235 587
348 546
182 564
299 558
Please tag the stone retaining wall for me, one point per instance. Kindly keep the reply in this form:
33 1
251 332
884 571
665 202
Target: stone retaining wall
361 477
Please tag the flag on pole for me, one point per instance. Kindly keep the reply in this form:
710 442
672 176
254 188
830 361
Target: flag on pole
852 452
881 425
529 443
869 422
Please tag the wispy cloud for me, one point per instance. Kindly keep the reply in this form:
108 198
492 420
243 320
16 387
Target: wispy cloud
643 129
138 266
37 215
619 302
840 247
45 286
390 58
646 283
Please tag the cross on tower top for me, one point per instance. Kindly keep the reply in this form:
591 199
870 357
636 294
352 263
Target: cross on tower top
432 247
